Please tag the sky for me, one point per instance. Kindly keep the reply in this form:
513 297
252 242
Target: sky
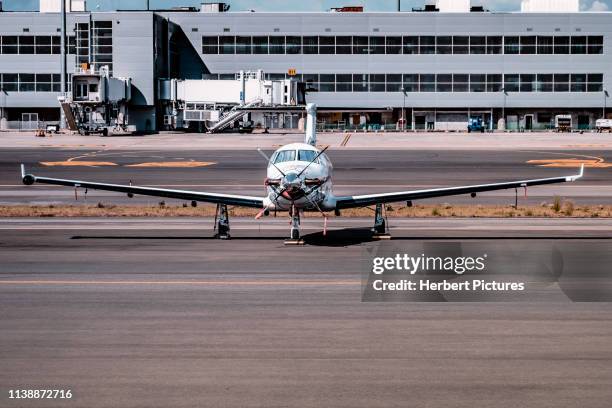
292 5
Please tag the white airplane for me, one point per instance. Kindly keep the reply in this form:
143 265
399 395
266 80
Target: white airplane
299 179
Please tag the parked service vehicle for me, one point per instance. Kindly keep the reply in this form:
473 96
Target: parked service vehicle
475 124
563 123
603 125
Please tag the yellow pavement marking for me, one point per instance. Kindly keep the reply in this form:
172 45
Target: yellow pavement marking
181 164
78 163
600 164
347 138
572 160
163 283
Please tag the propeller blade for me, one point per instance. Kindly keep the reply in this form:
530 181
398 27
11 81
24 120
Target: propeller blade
315 205
262 212
265 156
313 160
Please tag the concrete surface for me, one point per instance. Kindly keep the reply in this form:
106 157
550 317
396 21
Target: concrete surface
155 313
135 313
355 172
372 141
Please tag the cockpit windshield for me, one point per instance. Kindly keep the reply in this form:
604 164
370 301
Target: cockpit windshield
307 155
284 156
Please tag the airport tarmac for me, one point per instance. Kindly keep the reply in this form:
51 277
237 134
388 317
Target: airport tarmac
355 172
155 313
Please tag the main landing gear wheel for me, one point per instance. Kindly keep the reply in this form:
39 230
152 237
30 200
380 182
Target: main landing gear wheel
380 230
222 225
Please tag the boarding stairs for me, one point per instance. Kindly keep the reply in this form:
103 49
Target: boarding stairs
236 113
70 119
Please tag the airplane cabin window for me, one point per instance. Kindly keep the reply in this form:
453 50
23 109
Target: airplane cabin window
306 155
284 156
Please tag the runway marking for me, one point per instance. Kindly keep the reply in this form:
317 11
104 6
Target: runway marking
347 138
180 164
588 161
168 283
78 163
562 163
74 161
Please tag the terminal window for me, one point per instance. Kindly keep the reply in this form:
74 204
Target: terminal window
450 83
32 45
406 45
102 45
18 82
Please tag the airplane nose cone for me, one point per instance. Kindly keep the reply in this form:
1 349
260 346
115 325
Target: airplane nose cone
292 180
292 186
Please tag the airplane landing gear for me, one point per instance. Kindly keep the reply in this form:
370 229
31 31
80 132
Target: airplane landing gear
380 224
295 223
295 228
222 222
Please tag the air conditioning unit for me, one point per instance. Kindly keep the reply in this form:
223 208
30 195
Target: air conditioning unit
214 7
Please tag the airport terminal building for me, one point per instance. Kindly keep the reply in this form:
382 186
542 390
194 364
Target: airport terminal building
362 69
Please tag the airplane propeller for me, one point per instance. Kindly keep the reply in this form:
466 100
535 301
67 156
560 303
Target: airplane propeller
265 156
289 181
313 160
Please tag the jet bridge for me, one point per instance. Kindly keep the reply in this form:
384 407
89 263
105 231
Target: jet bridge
98 103
213 105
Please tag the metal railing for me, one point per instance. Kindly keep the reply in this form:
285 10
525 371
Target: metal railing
392 127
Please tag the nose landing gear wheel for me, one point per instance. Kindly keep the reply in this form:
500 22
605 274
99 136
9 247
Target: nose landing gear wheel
295 228
295 234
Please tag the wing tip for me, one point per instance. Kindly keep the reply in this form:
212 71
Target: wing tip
577 176
27 179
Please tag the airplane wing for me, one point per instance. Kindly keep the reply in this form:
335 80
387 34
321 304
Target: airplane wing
228 199
372 199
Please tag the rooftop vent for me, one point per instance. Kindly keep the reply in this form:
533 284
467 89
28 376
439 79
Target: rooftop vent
428 8
214 8
478 9
347 9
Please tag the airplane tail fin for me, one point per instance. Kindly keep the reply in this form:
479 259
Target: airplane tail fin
311 125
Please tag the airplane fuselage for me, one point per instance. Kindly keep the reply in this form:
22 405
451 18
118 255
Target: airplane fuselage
293 179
